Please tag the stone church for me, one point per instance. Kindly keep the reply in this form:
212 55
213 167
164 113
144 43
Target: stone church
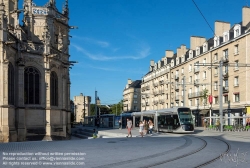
34 72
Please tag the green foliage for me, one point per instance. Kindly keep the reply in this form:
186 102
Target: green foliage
204 96
117 108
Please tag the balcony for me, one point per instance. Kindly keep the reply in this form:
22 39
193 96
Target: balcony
225 89
196 82
155 84
196 70
161 91
177 77
194 94
155 93
176 87
177 98
147 87
161 101
225 59
216 74
225 74
161 82
155 102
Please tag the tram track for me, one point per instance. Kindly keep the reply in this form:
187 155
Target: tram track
179 157
187 143
218 157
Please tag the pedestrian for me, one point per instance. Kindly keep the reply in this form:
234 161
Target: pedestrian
129 127
141 128
205 123
145 127
94 134
151 126
218 124
120 124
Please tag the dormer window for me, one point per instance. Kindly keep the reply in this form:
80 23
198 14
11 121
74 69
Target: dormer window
182 59
204 47
216 41
225 36
237 30
172 63
190 54
177 61
197 51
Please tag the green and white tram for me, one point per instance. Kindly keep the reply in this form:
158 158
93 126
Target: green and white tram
176 119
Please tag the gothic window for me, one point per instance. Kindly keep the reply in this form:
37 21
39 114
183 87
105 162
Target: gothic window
53 89
31 85
10 84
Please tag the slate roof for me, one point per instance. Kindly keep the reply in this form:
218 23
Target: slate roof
135 84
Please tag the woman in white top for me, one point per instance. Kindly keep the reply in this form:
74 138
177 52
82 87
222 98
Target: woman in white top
141 128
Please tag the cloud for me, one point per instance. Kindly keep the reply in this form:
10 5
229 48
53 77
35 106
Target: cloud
100 43
144 52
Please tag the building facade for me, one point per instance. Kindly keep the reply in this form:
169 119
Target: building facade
132 96
189 76
34 72
82 107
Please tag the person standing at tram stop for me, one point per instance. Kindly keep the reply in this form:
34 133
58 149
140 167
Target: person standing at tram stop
120 124
145 123
129 127
141 128
205 123
151 126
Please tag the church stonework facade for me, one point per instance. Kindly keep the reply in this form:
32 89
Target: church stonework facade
34 72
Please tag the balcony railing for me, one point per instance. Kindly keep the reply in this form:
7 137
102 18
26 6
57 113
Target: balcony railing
155 84
225 74
196 70
196 82
225 59
161 82
195 94
176 87
176 76
225 89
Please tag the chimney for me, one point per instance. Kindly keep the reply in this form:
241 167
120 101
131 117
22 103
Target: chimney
196 41
152 63
129 81
181 51
169 53
221 27
245 15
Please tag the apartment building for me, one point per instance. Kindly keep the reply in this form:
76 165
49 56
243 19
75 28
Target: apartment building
82 107
179 79
132 96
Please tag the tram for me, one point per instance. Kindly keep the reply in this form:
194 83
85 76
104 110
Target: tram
176 119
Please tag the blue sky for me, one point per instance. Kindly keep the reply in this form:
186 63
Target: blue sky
116 39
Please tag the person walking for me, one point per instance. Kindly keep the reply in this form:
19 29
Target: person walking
129 127
145 127
205 123
141 128
151 126
120 124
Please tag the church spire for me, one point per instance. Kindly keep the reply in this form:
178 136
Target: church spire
66 8
52 2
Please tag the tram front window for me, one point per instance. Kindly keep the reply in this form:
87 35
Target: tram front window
185 116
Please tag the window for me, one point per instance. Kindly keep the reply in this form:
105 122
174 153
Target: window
190 79
31 85
135 101
135 107
190 102
197 51
216 57
10 84
226 83
225 98
216 85
190 54
182 71
196 102
225 54
215 71
216 100
135 96
204 75
190 68
204 47
205 61
237 32
236 65
53 89
236 97
236 49
236 81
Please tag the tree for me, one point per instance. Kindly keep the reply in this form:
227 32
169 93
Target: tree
204 96
117 108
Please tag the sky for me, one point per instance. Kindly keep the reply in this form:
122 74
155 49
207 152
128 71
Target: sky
116 39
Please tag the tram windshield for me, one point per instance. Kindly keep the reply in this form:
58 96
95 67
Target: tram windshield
185 116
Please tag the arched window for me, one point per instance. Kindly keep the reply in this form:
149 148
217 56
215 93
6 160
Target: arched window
31 86
53 89
10 84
